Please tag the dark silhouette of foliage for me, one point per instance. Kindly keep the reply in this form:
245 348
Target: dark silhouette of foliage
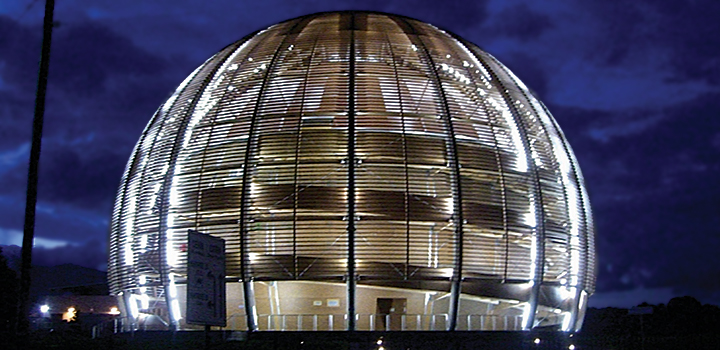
8 297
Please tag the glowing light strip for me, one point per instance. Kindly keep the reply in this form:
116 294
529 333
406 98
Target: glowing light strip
128 252
144 301
500 105
567 177
134 312
571 188
567 316
521 164
172 297
203 106
526 315
206 101
129 223
166 107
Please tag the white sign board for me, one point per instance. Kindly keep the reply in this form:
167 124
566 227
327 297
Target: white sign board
205 280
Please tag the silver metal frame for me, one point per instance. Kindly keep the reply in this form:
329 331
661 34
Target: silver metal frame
359 147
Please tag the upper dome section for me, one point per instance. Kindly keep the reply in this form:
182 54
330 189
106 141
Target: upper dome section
361 137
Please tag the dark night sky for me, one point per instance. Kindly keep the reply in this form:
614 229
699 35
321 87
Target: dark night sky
635 87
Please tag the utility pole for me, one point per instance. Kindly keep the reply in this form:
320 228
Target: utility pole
23 323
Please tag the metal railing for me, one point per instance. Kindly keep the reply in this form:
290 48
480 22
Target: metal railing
338 322
387 322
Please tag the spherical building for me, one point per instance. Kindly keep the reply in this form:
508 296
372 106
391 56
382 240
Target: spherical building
367 172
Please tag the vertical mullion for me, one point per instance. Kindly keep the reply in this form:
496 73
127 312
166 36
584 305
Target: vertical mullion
582 282
351 181
539 229
164 191
297 157
457 196
247 283
405 160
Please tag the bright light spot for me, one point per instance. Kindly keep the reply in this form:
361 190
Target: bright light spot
414 47
48 243
583 300
537 341
143 242
566 321
44 309
381 348
571 347
176 309
114 311
379 342
144 302
133 306
447 56
69 315
171 100
521 161
447 272
526 316
172 253
128 253
174 195
173 288
567 293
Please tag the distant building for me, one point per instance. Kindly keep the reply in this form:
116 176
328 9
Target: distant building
61 312
366 171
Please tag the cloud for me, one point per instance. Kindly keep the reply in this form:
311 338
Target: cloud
529 70
19 54
68 176
457 14
102 90
86 55
520 22
15 237
681 37
13 158
631 298
91 255
654 194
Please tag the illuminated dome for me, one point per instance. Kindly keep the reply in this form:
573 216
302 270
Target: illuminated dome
358 164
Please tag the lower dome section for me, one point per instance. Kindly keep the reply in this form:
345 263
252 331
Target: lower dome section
380 306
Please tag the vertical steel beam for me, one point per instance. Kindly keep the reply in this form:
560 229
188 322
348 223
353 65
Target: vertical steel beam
248 293
351 288
539 229
454 163
586 222
164 192
23 323
406 271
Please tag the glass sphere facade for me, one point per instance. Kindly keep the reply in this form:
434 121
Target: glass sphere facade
366 171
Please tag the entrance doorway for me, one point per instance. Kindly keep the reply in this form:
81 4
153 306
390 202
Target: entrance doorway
389 312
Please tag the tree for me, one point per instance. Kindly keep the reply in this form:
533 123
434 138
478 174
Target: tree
8 297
